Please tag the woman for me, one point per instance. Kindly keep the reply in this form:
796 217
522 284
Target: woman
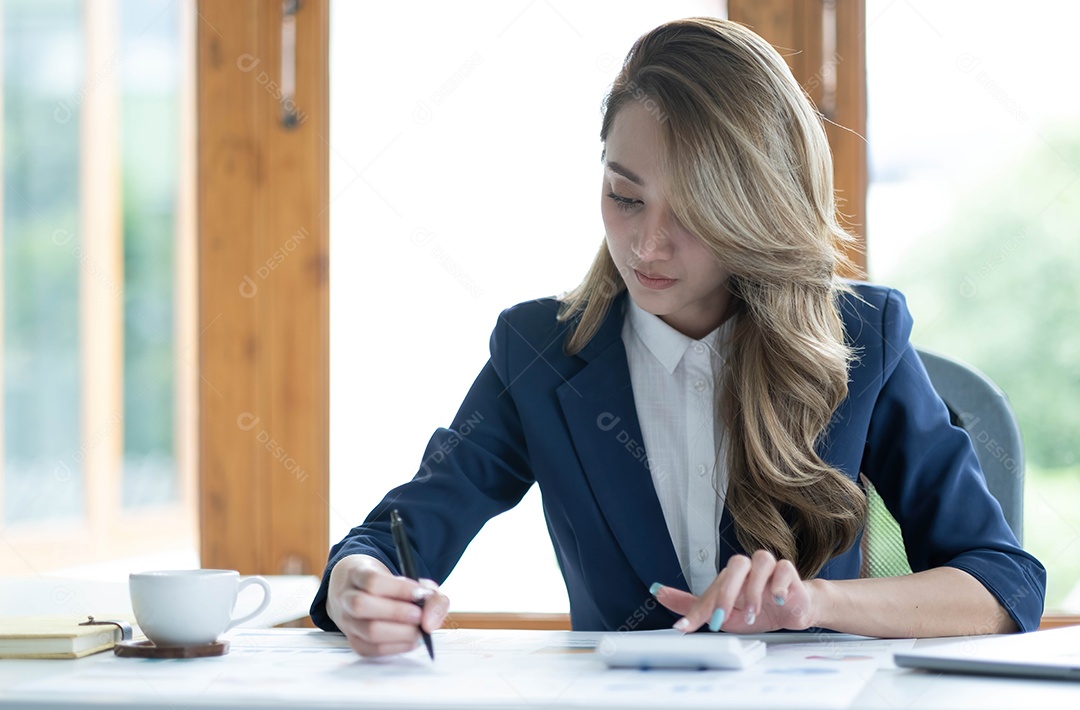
698 411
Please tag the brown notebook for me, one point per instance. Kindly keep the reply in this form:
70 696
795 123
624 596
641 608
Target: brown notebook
55 636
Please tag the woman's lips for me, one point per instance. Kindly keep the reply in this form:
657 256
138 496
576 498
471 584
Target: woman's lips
655 283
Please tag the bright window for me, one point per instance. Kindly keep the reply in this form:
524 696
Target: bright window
973 211
97 289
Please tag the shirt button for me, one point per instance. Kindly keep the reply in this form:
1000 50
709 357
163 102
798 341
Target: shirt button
701 469
702 554
700 385
699 348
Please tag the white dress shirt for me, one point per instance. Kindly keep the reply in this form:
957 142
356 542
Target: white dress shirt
674 380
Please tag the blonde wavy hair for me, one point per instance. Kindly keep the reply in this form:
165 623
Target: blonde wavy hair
750 174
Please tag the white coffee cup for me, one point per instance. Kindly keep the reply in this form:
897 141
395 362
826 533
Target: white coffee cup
190 607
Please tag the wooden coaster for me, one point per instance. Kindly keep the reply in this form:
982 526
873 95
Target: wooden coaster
147 649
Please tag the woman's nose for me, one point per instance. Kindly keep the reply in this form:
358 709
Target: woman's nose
654 240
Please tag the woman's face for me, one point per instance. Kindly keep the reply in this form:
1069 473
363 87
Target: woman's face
667 270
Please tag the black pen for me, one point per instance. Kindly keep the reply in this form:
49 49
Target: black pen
408 566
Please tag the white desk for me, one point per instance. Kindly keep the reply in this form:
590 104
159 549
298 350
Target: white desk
285 668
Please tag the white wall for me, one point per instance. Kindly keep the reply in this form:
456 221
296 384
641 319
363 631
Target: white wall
465 177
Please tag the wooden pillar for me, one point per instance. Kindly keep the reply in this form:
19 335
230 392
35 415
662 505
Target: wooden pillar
263 223
824 44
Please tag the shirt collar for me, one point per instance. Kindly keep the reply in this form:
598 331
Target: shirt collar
668 345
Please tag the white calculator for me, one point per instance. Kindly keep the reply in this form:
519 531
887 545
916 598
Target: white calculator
664 649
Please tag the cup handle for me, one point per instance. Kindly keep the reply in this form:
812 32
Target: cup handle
262 607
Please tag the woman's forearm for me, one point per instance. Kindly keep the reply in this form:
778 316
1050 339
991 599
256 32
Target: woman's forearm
944 601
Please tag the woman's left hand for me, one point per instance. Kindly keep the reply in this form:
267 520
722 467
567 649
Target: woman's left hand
750 595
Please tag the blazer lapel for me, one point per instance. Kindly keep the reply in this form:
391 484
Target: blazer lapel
729 542
598 403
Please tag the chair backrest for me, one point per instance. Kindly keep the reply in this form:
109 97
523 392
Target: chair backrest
980 408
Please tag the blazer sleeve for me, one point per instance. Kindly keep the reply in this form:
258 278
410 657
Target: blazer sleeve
929 477
471 472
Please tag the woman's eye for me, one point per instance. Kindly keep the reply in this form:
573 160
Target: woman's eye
626 204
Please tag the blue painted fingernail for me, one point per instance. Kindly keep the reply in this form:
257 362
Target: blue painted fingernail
716 620
655 588
779 600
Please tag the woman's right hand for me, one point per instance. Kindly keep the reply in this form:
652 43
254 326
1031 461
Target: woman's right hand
377 611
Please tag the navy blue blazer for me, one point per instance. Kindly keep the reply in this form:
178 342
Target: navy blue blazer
569 424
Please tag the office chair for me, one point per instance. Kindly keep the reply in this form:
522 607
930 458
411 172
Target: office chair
977 406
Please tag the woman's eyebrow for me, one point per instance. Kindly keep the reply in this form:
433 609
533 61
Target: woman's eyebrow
632 177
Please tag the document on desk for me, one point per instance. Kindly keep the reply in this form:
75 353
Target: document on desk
276 668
